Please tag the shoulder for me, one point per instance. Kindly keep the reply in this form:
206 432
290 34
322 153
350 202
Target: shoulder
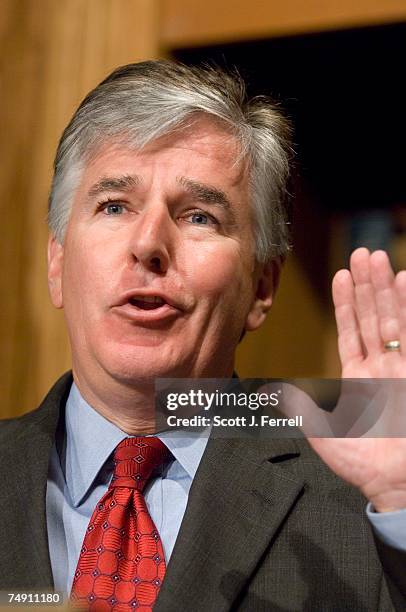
43 417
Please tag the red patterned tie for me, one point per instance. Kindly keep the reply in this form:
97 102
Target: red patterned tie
122 564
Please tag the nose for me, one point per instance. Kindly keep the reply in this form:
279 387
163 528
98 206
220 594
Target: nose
151 238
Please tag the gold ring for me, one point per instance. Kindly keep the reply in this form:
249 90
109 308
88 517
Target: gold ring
392 345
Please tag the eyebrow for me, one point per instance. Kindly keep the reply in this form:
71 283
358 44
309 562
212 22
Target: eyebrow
126 182
205 193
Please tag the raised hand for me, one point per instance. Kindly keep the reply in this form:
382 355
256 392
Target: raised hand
370 308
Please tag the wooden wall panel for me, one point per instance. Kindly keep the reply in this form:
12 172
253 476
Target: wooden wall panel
193 22
53 52
293 340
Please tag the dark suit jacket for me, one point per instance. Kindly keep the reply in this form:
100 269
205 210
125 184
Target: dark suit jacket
268 527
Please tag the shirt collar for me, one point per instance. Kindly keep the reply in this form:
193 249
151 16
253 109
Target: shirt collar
91 439
188 449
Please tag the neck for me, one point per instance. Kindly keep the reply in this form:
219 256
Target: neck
130 405
132 409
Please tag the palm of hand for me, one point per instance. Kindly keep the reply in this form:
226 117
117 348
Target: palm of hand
387 365
370 307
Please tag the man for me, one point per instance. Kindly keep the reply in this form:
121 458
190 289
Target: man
167 236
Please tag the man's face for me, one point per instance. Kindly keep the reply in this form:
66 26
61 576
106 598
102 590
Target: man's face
157 274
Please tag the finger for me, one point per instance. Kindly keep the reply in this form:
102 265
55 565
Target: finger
400 288
365 306
349 337
387 307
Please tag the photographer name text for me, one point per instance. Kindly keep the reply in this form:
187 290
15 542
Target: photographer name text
238 421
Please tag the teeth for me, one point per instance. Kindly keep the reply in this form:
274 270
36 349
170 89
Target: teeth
151 299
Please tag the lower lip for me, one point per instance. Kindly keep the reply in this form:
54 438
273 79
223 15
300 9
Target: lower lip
163 314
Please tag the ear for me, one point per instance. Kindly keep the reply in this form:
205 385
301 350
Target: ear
267 281
55 266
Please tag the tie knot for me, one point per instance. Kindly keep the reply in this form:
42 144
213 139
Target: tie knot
135 461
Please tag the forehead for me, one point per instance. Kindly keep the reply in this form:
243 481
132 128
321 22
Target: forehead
203 147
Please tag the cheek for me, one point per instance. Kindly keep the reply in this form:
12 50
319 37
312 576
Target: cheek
86 276
220 274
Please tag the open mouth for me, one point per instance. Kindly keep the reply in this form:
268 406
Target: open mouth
147 308
152 302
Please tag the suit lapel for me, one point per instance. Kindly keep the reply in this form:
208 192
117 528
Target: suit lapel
24 467
237 502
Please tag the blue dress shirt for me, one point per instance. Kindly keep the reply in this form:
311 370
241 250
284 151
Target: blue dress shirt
79 478
79 475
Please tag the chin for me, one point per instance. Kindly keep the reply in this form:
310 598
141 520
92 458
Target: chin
141 366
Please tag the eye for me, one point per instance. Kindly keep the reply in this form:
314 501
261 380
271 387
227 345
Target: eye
199 219
113 208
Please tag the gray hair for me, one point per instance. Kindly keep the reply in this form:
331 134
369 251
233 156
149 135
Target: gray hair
140 102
